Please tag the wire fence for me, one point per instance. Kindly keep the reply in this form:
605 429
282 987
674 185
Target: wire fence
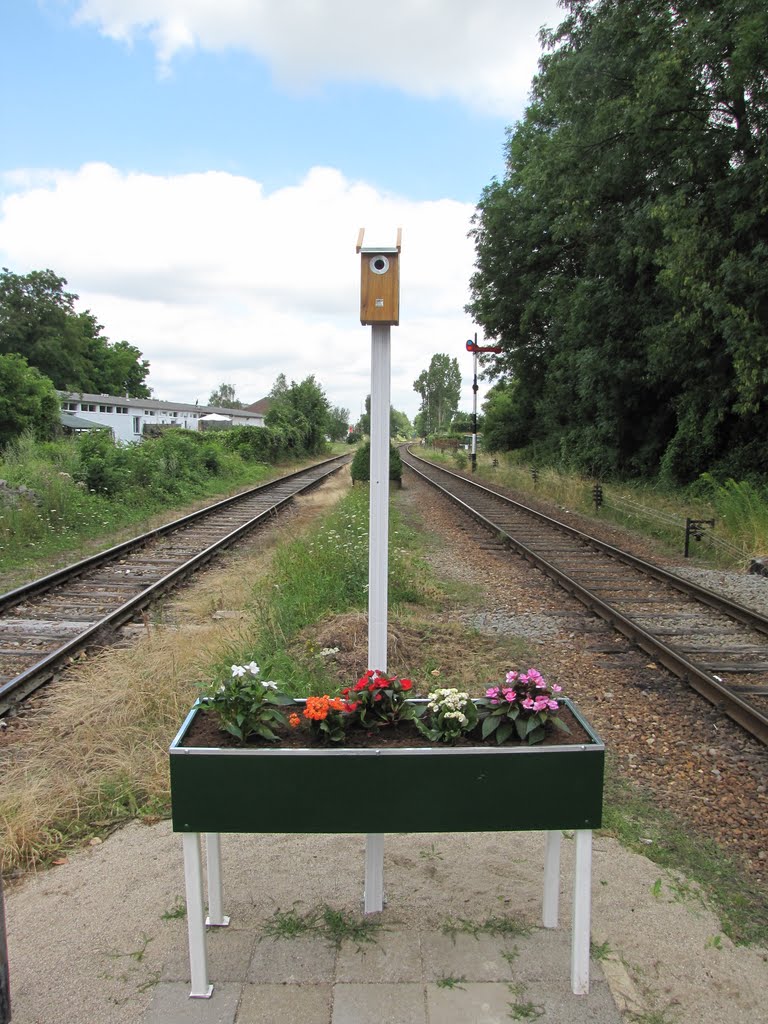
702 531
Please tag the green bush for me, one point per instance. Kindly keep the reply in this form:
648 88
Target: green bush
361 464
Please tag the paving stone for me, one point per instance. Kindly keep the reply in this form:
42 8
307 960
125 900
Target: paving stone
230 952
171 1005
476 959
379 1004
472 1003
285 1004
598 1007
292 961
393 956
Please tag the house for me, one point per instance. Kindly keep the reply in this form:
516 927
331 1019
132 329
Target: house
131 418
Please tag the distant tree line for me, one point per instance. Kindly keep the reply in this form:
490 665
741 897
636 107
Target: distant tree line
46 345
622 262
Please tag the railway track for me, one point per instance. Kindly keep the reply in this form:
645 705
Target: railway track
45 622
718 647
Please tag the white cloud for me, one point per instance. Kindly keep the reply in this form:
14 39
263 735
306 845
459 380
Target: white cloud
482 52
216 280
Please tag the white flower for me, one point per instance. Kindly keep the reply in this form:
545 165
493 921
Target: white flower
238 670
253 668
269 684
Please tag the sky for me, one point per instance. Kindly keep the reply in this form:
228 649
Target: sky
198 171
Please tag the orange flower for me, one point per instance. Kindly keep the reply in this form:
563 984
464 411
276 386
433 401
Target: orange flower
294 720
316 709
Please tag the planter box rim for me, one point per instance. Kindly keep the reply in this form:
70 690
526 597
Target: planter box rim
176 750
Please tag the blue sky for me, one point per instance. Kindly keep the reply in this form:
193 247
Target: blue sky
198 169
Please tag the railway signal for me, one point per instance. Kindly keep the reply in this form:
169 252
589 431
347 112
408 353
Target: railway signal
474 348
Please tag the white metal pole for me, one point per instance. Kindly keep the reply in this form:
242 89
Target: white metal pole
582 905
550 909
216 916
378 567
378 526
198 950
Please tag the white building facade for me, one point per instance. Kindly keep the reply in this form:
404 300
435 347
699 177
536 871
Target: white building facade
128 417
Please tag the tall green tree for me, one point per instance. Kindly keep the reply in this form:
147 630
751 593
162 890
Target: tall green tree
621 260
38 321
338 423
28 400
224 397
303 406
440 389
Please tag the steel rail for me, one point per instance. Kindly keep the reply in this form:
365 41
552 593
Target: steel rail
705 683
32 677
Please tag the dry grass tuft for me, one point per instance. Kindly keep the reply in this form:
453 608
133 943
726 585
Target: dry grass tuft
417 647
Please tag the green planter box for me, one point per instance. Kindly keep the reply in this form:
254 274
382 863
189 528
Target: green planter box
415 789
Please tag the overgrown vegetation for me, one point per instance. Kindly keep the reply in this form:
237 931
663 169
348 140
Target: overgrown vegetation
739 508
62 493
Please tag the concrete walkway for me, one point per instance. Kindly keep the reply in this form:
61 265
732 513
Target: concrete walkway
102 939
408 976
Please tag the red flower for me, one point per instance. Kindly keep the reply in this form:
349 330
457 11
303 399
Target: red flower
406 684
345 692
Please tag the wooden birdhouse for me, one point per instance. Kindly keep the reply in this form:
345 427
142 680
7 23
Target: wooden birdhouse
379 282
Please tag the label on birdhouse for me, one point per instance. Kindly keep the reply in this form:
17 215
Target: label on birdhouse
379 303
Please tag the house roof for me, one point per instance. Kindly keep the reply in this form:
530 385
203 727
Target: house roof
262 406
80 422
153 403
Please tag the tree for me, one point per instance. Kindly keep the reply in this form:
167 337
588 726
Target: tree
338 423
302 406
224 398
621 261
399 424
440 388
38 321
28 400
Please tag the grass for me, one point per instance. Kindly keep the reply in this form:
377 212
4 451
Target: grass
500 926
335 926
739 508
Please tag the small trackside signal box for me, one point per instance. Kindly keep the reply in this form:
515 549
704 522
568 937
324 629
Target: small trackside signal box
379 282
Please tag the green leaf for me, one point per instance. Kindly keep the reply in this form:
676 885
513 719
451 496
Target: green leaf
559 724
265 732
489 725
504 731
520 725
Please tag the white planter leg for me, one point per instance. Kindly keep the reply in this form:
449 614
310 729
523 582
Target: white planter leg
551 905
198 951
373 895
582 905
216 917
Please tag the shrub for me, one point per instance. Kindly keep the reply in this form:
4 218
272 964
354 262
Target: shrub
361 464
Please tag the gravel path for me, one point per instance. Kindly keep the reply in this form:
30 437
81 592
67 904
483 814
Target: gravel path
686 755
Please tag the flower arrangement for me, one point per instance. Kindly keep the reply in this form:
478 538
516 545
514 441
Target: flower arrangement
449 714
520 708
522 704
246 705
379 700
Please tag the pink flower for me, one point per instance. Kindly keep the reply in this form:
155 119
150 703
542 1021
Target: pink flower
540 703
556 688
511 677
552 705
528 703
492 691
509 695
